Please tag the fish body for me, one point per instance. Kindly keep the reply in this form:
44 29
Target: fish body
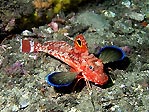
86 65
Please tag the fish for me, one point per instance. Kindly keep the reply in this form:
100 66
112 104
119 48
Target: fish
83 65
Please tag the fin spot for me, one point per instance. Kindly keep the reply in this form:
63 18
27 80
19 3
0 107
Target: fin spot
79 43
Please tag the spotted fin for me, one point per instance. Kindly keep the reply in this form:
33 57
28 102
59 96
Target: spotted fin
60 79
111 54
80 44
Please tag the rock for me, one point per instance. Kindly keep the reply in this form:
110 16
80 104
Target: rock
24 101
27 33
123 26
94 20
136 16
109 13
126 3
23 104
15 108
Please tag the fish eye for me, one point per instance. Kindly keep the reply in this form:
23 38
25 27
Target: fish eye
90 67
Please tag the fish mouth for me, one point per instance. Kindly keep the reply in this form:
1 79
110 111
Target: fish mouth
102 80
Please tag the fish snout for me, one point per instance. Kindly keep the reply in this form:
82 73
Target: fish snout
101 79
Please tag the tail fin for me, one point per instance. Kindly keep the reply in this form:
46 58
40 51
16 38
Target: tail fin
28 46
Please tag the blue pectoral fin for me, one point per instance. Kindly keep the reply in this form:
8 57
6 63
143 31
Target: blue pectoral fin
111 54
60 79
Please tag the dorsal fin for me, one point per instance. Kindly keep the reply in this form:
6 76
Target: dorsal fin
80 44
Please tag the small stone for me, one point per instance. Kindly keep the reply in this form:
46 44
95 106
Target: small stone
15 108
27 33
24 101
114 107
147 14
73 109
123 26
43 31
136 16
109 13
94 20
127 3
147 26
24 104
122 86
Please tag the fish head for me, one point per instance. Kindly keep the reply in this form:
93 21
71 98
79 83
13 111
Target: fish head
93 71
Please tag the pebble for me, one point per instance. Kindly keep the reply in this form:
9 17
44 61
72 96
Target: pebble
127 3
43 31
24 104
123 26
24 101
136 16
27 33
89 18
15 108
109 13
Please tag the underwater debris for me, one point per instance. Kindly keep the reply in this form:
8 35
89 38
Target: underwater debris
54 26
16 68
42 4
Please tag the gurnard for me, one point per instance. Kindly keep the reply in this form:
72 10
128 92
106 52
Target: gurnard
83 65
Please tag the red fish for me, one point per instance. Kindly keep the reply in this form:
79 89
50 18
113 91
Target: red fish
86 65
